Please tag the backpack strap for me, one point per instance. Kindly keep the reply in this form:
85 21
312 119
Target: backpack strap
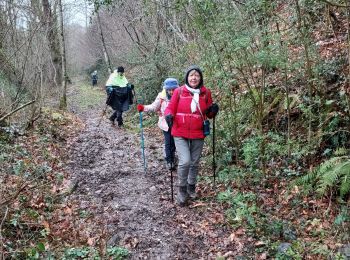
178 97
206 101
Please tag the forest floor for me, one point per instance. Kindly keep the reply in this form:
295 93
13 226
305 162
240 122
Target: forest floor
76 190
133 209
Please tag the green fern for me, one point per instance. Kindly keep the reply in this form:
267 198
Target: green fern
309 178
345 183
331 175
341 151
333 178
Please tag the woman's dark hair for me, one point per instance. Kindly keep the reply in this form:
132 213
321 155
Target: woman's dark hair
196 68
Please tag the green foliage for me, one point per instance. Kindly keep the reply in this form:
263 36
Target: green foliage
289 254
333 175
31 168
155 69
275 146
80 253
34 252
334 133
343 217
330 70
100 67
232 174
251 150
275 228
117 253
242 207
293 251
230 124
8 92
87 97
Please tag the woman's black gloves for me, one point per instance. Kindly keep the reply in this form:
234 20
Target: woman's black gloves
213 110
169 120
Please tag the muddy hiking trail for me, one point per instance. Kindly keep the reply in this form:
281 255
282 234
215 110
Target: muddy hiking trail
133 209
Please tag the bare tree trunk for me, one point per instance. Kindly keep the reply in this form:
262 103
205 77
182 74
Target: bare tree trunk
287 92
347 93
309 74
63 100
105 53
49 22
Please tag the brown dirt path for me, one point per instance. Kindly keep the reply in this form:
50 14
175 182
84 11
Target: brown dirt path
135 208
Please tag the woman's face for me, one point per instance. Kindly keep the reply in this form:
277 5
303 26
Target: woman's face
194 78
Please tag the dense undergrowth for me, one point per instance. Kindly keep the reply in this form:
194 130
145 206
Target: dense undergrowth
37 220
279 71
280 209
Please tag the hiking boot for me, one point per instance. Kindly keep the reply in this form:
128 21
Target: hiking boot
112 120
182 196
191 191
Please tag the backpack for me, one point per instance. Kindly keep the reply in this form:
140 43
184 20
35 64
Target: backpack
121 93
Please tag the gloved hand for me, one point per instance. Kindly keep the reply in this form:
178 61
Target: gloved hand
109 90
140 107
213 110
169 120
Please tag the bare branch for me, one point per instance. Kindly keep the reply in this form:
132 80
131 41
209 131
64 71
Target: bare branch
14 111
1 224
334 4
175 30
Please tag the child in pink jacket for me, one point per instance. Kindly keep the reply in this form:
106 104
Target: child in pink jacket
159 105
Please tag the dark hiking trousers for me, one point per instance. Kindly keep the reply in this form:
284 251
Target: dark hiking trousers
117 115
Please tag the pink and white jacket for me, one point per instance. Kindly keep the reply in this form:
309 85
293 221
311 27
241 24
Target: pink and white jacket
159 105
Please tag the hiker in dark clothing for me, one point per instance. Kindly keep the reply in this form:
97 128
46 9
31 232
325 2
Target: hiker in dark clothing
94 78
120 95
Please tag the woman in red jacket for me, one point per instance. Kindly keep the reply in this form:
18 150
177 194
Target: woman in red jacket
186 114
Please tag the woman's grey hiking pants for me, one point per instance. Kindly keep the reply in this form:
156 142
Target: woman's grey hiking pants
189 151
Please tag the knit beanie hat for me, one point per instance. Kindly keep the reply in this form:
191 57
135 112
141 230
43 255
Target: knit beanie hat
196 68
170 83
120 69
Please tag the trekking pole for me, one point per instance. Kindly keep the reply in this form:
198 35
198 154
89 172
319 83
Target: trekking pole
214 165
105 109
143 145
172 167
172 184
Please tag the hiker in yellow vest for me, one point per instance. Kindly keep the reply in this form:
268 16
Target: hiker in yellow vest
120 94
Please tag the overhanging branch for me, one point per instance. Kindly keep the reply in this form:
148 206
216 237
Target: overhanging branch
14 111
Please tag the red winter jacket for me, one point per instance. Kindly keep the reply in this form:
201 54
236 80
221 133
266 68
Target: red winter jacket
187 124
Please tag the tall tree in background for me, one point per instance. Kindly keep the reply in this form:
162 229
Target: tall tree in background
63 99
303 29
49 20
105 53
